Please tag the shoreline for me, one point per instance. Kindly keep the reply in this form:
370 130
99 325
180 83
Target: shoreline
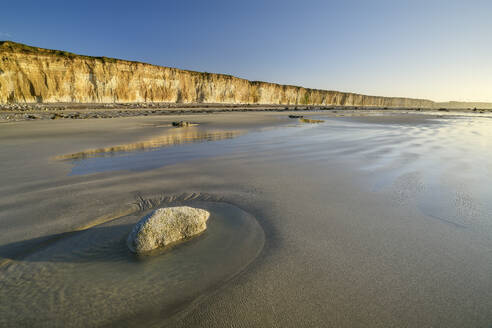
56 111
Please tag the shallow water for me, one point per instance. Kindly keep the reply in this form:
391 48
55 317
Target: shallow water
442 164
90 278
173 137
138 159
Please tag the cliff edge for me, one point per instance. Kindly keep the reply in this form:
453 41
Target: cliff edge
35 75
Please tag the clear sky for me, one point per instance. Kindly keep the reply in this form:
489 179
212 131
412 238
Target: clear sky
435 49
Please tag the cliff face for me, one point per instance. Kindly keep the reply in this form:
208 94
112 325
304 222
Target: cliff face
29 74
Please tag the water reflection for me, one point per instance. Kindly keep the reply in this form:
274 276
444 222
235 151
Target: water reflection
441 166
190 147
172 137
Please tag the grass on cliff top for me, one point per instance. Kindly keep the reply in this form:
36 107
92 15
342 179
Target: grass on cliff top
10 46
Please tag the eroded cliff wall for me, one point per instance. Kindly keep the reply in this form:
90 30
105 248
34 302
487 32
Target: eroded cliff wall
29 74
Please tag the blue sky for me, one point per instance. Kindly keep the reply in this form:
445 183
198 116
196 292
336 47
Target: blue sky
435 49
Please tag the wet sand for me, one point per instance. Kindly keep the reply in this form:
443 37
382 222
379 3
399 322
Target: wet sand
368 221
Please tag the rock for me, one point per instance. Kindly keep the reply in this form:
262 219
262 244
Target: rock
181 124
165 226
55 116
296 116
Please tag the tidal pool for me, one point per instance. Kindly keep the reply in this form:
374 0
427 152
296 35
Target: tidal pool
90 278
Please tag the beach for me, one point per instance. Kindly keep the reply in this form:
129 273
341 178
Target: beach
369 218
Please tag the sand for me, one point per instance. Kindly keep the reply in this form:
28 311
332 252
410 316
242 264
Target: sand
367 222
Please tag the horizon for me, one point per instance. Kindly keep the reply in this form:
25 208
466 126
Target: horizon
451 63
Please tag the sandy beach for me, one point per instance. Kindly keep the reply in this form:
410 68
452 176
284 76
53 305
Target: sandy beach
370 219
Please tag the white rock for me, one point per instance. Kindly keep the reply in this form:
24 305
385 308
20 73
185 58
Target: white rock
165 226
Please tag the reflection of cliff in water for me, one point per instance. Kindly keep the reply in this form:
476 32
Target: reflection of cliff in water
172 137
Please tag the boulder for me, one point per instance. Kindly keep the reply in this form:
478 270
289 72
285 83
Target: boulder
29 117
182 124
166 226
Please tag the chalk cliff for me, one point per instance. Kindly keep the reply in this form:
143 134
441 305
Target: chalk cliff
29 75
